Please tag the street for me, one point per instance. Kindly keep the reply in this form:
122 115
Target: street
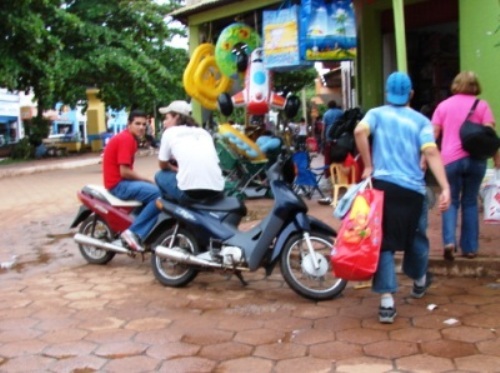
60 314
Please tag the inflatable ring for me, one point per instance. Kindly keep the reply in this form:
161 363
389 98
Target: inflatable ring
235 34
202 51
241 143
208 79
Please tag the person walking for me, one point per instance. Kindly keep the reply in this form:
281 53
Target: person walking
464 173
125 183
187 157
329 118
400 136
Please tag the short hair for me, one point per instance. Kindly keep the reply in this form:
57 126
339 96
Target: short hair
466 82
332 104
136 113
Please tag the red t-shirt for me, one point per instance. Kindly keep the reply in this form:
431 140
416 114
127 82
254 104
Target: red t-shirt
120 150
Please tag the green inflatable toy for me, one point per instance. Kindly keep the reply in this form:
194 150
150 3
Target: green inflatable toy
234 37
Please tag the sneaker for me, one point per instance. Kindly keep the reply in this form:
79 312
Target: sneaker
386 315
419 291
449 253
131 240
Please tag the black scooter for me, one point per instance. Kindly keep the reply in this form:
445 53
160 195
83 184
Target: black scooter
205 236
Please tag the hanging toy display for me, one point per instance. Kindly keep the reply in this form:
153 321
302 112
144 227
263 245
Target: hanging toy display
202 78
257 96
235 43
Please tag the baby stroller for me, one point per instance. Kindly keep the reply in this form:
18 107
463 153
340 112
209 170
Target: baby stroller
244 162
307 179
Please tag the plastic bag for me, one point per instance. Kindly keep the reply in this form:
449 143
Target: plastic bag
357 249
491 195
345 203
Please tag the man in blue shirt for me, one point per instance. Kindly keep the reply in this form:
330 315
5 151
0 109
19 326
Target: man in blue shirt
330 116
400 137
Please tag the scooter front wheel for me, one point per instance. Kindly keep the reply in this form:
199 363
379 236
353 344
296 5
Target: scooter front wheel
310 277
170 272
96 227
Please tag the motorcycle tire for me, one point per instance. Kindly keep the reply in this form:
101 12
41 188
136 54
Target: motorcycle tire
101 231
169 272
299 273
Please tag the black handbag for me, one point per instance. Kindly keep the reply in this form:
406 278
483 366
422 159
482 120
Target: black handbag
481 142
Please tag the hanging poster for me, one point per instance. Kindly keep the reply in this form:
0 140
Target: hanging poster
328 30
280 29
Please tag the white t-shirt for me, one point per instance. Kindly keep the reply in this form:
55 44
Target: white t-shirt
193 149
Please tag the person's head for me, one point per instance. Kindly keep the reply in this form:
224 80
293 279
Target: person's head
302 120
398 89
177 113
466 82
332 104
136 124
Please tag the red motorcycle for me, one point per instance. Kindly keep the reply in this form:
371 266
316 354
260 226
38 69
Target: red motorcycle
102 217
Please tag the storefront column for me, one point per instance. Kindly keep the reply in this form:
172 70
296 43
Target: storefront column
399 28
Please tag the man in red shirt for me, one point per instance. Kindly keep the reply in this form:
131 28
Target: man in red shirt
123 182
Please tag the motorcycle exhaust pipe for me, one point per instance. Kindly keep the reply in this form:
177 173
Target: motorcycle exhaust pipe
90 241
165 252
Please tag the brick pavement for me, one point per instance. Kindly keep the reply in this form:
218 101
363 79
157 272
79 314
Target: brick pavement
59 314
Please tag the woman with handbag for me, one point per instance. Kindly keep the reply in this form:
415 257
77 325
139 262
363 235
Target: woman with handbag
464 172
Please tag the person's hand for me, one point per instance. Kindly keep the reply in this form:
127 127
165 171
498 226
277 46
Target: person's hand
367 172
444 200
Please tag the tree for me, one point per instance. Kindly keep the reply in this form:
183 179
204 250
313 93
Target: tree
60 48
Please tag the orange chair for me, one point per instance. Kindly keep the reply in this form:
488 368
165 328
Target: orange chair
341 179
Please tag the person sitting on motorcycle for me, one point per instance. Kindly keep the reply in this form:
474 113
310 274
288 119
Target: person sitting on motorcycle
123 182
187 157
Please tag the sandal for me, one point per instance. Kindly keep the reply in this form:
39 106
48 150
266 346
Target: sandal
449 253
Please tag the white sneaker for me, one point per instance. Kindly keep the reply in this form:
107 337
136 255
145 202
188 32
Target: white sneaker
131 240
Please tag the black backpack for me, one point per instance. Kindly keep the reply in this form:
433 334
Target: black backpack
341 135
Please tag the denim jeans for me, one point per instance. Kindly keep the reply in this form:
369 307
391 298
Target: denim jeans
167 183
465 177
146 193
415 259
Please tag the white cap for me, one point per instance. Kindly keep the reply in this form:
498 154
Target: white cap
178 106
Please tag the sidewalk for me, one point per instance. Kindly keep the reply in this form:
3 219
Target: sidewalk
486 264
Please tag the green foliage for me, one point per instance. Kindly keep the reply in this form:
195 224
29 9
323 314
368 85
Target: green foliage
294 81
23 150
60 48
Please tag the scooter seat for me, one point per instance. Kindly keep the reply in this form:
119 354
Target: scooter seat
221 204
99 192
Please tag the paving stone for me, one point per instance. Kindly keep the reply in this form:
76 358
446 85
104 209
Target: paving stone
280 351
159 337
188 364
259 336
226 351
304 364
237 323
132 364
423 363
490 347
390 349
78 364
173 350
68 349
204 337
364 365
448 348
468 334
478 363
14 349
26 363
245 365
337 323
361 336
150 323
482 320
336 350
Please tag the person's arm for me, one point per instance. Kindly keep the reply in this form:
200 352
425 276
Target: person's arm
129 174
167 166
361 133
496 160
433 158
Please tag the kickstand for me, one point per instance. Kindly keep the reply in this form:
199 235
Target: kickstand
240 277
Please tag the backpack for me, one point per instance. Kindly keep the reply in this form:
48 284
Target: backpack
341 135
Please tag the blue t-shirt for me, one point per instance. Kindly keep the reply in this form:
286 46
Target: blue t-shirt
400 134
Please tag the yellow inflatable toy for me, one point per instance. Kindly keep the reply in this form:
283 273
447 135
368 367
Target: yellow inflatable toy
241 143
202 78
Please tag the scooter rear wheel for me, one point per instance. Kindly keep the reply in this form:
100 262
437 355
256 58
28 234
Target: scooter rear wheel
97 228
302 276
170 272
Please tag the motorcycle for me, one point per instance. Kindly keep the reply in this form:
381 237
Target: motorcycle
102 217
205 236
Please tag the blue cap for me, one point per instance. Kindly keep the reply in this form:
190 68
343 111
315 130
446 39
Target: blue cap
398 88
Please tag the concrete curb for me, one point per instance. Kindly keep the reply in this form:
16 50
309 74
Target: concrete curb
18 171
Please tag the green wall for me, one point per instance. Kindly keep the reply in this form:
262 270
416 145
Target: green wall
480 47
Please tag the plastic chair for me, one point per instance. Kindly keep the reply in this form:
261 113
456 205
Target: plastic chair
306 178
340 179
